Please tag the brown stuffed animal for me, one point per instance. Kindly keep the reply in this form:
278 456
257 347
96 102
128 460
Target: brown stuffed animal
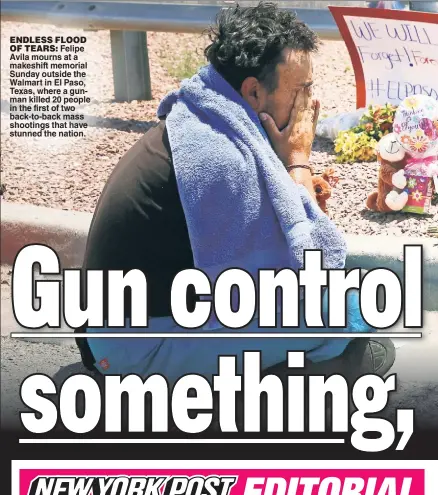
390 195
323 187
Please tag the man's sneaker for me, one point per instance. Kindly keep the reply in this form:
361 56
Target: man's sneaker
379 355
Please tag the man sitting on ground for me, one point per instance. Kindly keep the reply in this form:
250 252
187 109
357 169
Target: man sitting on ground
223 181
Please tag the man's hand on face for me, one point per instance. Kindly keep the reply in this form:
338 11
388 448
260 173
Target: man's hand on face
293 144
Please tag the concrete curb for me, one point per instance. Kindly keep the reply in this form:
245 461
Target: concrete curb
66 232
376 251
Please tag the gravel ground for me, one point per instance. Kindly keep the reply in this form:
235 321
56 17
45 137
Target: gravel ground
70 173
5 280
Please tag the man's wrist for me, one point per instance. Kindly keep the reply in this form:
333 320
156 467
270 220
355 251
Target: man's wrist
289 168
302 174
298 159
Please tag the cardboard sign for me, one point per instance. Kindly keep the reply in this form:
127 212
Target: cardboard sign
394 53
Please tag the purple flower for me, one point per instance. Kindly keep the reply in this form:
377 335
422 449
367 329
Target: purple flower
426 124
428 128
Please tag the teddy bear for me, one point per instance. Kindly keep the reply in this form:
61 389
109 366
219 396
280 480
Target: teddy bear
323 185
390 194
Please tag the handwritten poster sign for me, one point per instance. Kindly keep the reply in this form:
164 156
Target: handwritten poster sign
394 53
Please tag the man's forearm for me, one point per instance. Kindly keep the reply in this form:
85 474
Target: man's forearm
300 170
303 176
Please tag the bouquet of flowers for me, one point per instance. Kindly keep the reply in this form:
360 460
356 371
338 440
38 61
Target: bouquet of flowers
359 143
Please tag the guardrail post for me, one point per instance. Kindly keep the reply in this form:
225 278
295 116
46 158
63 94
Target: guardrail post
132 80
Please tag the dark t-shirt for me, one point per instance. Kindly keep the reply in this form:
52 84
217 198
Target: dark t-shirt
139 223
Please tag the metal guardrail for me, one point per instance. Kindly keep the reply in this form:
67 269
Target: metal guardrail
129 16
128 23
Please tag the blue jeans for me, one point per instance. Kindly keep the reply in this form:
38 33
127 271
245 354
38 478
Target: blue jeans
175 357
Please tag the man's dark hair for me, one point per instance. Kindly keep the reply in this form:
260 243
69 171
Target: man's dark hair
249 42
